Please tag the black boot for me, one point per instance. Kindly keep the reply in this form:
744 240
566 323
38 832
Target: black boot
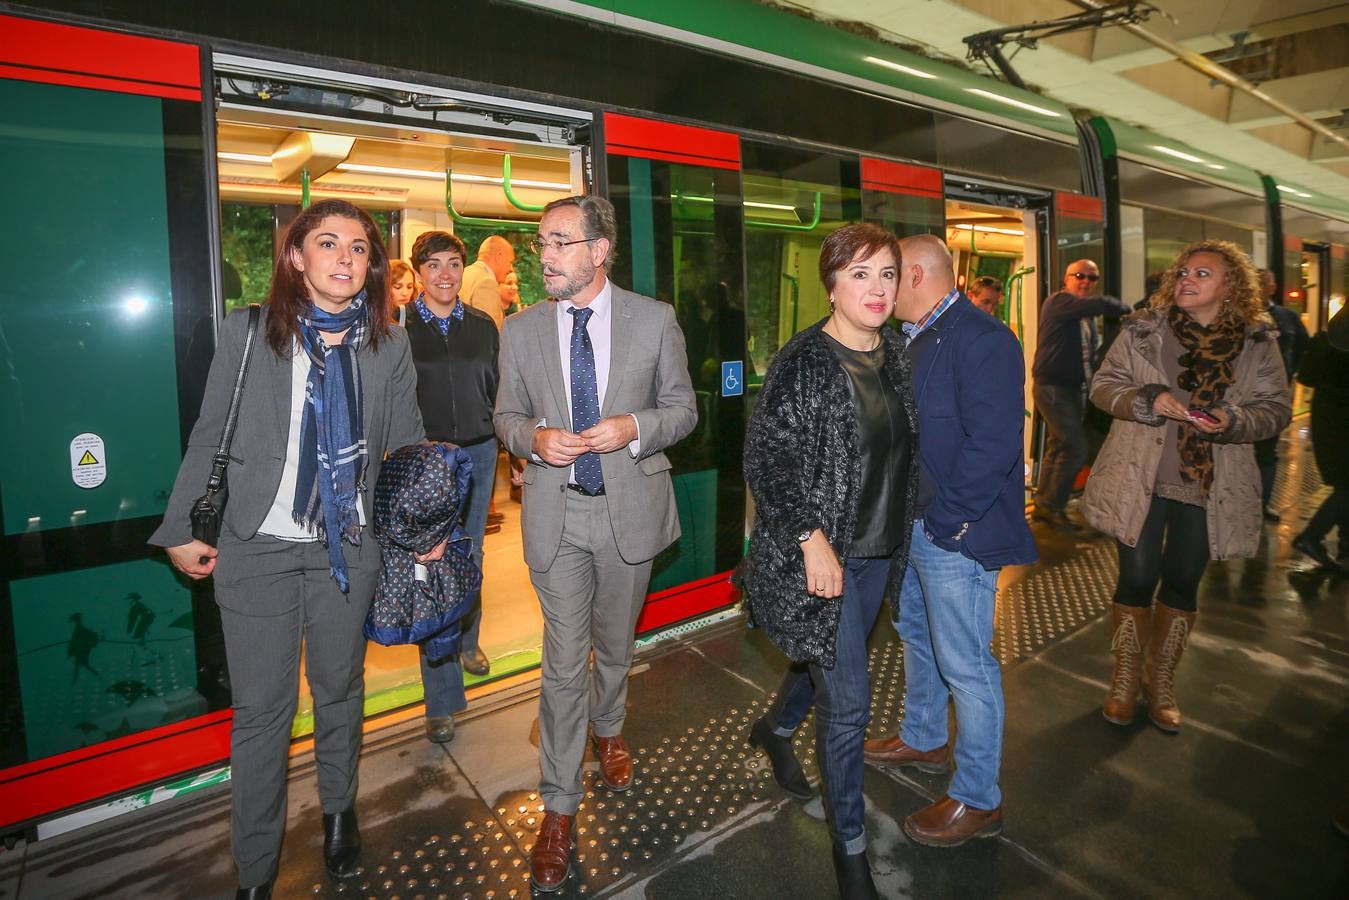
854 875
786 769
261 892
341 843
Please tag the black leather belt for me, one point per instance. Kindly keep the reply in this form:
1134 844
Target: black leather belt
583 492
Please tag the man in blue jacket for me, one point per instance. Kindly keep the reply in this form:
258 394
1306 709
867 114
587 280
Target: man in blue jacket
968 380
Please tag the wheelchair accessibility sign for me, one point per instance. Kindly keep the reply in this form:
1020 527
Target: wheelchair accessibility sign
732 378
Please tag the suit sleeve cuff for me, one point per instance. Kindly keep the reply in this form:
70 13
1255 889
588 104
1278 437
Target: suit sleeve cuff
635 445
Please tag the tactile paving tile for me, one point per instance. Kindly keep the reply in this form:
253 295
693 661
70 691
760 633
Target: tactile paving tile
694 782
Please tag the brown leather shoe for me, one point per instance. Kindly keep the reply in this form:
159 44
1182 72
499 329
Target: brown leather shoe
950 823
550 860
894 752
615 762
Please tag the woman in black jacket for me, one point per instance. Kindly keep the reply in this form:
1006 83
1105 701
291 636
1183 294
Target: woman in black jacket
454 348
835 423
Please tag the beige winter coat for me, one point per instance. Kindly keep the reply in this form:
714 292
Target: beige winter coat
1119 491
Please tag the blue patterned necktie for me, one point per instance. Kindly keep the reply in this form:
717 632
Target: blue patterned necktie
585 399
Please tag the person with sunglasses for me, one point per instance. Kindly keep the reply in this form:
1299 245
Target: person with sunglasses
1064 348
1193 381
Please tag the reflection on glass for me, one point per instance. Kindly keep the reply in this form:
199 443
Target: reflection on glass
793 200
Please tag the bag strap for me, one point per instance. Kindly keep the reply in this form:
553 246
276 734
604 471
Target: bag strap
222 456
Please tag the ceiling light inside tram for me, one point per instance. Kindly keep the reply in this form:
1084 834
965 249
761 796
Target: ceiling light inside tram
989 229
907 70
1010 102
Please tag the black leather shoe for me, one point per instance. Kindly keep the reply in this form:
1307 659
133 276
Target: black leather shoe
475 662
854 875
341 843
786 768
261 892
439 729
1317 551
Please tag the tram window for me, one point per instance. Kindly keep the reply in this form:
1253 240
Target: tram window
793 200
246 246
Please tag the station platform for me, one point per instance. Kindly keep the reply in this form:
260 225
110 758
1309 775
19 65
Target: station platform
1239 803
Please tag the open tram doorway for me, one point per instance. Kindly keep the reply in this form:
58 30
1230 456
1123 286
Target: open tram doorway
416 161
993 242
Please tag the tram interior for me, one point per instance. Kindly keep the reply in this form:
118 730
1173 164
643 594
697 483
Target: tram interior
268 163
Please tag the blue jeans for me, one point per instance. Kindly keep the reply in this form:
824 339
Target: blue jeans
946 625
443 682
1065 450
842 700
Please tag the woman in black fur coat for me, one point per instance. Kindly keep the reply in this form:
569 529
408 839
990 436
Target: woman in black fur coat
829 459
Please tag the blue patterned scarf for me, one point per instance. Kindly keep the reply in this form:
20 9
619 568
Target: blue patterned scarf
332 434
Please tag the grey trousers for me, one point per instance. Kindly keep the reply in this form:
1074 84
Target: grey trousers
273 595
590 598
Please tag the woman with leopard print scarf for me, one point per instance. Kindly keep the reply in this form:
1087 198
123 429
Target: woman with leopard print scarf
1192 382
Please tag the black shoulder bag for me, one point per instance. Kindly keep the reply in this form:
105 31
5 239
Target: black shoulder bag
210 506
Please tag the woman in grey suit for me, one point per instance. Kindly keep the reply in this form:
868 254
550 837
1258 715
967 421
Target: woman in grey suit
330 388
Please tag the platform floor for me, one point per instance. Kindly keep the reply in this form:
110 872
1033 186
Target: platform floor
1237 804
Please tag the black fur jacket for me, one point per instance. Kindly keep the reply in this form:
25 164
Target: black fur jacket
803 467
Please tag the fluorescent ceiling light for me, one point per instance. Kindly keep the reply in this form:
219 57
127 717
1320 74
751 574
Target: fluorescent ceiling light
1188 157
1215 166
1010 102
245 157
907 70
785 207
390 170
989 229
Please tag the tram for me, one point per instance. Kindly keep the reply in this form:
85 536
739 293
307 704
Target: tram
155 152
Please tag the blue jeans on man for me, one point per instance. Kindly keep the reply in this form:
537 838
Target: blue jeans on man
842 700
1065 451
946 626
443 681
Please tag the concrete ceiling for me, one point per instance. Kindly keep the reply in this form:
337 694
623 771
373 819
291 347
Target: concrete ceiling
1292 49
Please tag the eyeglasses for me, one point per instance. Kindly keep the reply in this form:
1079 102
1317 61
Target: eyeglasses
540 244
1084 276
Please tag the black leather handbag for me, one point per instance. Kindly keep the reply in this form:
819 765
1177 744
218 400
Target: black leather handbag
210 506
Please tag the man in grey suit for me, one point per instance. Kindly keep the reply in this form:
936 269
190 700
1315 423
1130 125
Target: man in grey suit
594 386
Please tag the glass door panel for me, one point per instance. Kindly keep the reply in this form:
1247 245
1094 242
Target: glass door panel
100 380
677 194
902 198
793 199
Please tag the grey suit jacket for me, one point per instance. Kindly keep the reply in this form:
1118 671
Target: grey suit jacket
648 378
392 420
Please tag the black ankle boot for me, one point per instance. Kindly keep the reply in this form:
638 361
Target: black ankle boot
786 769
261 892
854 875
341 843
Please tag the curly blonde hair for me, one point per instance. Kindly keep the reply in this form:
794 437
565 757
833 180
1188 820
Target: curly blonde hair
1242 294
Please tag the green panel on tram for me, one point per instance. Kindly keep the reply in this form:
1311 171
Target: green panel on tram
103 652
89 400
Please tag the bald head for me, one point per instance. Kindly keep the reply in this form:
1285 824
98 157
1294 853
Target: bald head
926 275
499 255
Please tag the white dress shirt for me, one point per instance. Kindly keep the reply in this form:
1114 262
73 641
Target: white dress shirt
600 329
280 522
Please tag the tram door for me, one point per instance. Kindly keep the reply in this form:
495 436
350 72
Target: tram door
677 193
110 676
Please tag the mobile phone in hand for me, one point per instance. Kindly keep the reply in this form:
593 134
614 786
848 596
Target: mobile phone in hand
1200 414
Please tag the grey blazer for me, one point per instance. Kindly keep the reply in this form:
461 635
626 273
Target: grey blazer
648 377
392 420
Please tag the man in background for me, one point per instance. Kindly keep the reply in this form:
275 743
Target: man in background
986 293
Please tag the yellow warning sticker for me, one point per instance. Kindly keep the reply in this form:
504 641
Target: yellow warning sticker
88 460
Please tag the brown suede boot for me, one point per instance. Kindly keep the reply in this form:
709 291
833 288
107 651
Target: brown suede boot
1130 633
1170 633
